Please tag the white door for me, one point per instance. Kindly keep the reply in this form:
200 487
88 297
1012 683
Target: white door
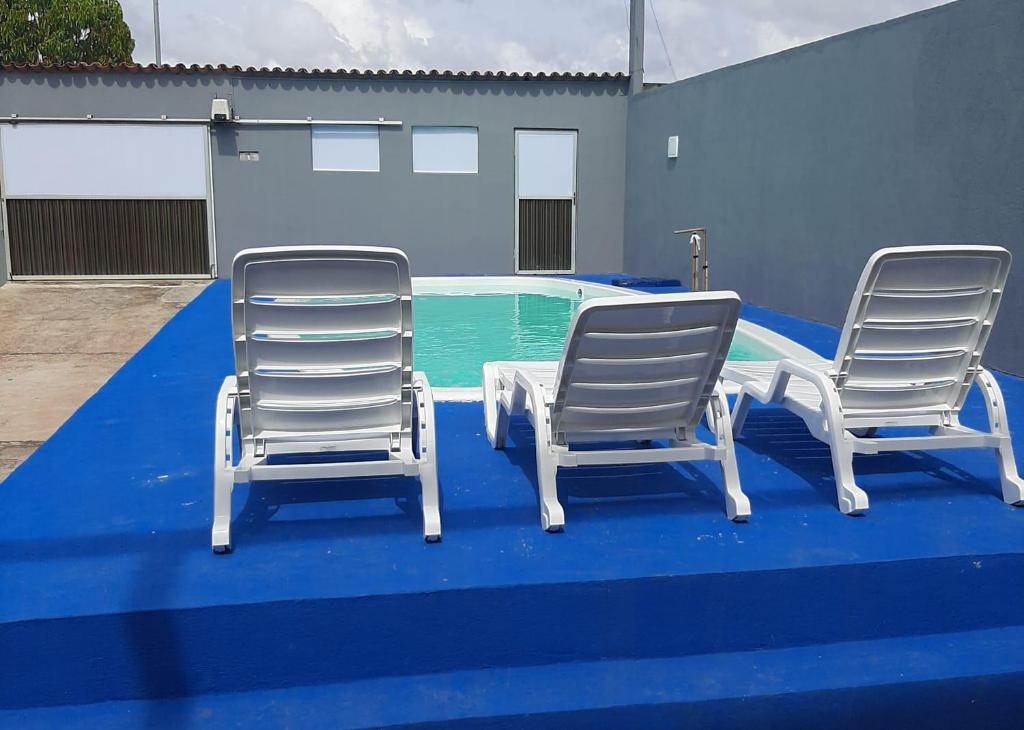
545 201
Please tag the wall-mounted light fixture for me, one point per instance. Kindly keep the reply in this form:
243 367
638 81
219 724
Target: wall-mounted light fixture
220 110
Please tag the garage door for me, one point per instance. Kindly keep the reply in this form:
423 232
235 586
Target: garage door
106 199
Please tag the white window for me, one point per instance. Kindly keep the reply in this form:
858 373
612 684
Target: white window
444 149
546 164
95 160
346 148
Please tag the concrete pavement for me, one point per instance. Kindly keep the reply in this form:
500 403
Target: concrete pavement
59 342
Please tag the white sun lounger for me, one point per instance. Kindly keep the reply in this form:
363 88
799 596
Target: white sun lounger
908 355
633 369
323 364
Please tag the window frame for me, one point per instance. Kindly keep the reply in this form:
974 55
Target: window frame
338 129
460 127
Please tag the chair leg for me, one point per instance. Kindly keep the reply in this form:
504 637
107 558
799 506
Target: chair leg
501 428
223 484
223 472
423 402
740 410
552 516
852 499
1012 485
737 505
431 503
496 418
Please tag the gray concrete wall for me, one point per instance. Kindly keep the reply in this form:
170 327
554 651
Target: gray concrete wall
803 163
448 224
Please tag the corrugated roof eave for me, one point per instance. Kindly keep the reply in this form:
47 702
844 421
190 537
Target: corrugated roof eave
392 74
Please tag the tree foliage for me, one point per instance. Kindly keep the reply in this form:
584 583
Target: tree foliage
64 31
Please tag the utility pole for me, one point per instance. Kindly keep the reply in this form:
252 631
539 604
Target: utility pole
636 46
156 29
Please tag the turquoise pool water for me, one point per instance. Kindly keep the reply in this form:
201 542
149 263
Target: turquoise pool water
456 334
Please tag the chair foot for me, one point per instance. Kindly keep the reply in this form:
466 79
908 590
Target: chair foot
222 549
431 513
220 538
431 521
552 516
1013 492
853 500
737 504
1009 479
737 509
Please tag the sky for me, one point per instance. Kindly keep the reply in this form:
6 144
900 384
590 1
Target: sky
510 35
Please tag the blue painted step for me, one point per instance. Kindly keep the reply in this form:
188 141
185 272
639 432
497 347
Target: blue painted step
967 679
183 652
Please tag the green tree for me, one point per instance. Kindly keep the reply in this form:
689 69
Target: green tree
64 31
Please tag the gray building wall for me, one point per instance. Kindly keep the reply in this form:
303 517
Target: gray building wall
448 224
803 163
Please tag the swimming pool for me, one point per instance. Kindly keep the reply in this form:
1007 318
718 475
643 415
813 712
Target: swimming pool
462 322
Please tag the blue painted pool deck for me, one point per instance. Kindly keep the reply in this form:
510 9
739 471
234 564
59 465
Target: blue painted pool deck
652 609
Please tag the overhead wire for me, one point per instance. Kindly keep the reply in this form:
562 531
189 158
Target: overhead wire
664 46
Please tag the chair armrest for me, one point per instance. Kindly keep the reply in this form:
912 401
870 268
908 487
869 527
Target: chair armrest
825 385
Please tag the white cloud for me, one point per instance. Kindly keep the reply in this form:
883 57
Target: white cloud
525 35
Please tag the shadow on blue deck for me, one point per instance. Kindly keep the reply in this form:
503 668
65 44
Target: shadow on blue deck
652 608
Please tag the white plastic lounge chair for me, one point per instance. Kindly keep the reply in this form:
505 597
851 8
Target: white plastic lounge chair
323 364
633 368
908 354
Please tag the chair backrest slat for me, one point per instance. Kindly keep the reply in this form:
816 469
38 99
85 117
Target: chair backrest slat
323 341
917 326
641 366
